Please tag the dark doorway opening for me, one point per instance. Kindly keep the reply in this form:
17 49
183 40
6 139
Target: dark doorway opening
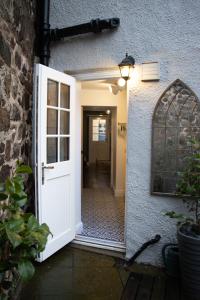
96 148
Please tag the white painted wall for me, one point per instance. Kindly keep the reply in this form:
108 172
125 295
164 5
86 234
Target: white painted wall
113 147
153 30
78 162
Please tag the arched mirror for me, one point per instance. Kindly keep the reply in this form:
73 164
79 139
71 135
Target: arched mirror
175 120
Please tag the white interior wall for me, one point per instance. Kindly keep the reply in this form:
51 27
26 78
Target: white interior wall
121 148
103 97
78 134
113 146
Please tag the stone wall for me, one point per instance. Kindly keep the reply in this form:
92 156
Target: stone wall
17 18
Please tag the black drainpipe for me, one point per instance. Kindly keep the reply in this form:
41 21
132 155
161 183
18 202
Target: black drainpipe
45 33
48 35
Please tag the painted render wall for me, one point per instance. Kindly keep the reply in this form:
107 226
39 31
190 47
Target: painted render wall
150 30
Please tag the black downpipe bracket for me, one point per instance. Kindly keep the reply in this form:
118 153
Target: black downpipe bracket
95 26
48 35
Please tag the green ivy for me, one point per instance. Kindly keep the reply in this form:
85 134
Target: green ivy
22 238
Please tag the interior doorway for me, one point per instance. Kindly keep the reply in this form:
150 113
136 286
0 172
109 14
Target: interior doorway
104 118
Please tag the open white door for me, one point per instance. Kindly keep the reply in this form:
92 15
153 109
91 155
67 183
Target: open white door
55 156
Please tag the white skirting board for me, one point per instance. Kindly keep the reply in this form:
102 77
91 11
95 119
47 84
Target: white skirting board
79 228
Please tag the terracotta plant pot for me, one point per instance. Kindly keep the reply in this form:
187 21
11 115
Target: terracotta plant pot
189 254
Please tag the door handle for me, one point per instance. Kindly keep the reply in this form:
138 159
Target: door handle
48 167
45 167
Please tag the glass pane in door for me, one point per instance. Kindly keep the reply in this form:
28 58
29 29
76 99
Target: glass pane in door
64 96
64 148
64 122
52 153
99 130
52 93
58 122
102 130
52 121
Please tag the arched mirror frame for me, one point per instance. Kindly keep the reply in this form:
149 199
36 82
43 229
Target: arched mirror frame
166 164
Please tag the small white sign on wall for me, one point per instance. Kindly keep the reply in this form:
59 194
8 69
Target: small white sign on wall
150 71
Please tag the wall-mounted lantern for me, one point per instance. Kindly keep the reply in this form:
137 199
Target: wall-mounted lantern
126 67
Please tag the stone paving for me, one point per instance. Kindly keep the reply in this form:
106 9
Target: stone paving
73 274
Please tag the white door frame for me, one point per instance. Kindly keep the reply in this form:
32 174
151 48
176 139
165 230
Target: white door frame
102 74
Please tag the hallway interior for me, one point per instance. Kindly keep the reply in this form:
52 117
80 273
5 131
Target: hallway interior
103 142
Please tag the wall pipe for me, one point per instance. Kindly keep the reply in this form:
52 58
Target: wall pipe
152 241
94 26
122 263
44 43
48 35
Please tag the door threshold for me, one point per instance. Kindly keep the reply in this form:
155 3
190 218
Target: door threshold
100 243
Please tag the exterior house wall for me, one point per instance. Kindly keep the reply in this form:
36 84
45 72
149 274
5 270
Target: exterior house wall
16 62
155 30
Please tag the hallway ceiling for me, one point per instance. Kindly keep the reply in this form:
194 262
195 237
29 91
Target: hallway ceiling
99 84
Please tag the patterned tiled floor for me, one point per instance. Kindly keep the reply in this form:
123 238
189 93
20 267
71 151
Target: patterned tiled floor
102 213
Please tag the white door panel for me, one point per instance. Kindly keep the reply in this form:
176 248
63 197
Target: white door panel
55 156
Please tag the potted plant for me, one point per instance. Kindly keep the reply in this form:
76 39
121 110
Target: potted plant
188 188
22 238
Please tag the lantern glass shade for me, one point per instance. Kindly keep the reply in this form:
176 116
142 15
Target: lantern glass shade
126 67
126 72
